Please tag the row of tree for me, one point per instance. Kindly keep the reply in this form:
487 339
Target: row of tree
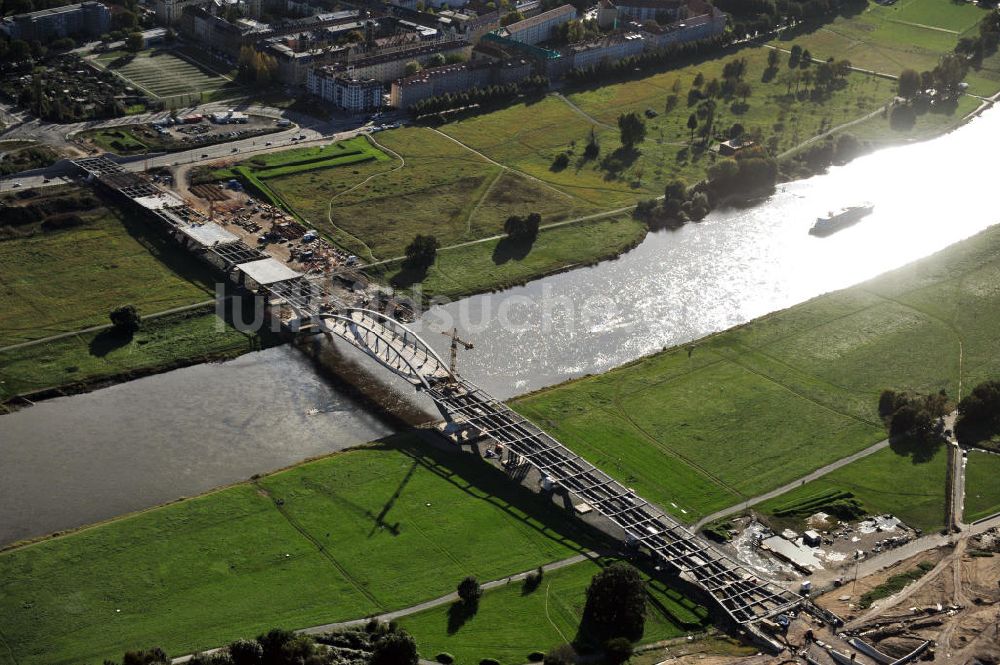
484 97
374 644
678 206
945 77
985 43
754 17
751 172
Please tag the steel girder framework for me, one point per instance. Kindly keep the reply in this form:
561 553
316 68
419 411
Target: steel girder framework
741 593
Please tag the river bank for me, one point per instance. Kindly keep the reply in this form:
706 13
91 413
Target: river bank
676 286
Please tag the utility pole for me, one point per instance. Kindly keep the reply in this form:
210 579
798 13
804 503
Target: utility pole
455 341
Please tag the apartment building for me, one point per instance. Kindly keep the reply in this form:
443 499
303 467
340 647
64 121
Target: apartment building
346 92
541 27
89 19
454 79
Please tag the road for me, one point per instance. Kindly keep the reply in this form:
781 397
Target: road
315 130
426 605
818 473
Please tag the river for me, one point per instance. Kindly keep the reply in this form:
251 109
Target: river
74 460
731 267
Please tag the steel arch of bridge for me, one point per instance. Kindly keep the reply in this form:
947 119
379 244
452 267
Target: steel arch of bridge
386 346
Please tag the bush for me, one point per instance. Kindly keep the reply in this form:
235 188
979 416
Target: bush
445 658
395 648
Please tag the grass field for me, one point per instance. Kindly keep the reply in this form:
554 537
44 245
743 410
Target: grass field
380 527
763 404
166 72
160 344
886 482
61 281
434 187
907 34
299 160
498 264
514 621
982 489
546 128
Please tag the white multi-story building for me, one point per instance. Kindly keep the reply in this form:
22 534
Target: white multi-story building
346 92
541 27
610 49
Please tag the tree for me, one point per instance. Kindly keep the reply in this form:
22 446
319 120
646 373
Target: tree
125 319
632 128
909 420
124 20
617 650
154 656
436 60
412 67
981 408
522 229
772 59
511 17
421 253
692 125
794 56
469 590
616 604
246 652
699 78
272 643
676 189
743 90
950 72
593 148
396 647
807 59
736 131
134 42
18 51
909 83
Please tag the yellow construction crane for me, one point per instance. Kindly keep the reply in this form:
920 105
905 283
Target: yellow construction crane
455 341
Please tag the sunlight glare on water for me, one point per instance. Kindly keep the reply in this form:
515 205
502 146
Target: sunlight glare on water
735 265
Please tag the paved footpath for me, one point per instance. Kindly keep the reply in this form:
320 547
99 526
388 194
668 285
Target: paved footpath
818 473
427 605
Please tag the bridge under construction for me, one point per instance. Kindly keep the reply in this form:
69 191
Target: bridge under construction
744 597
